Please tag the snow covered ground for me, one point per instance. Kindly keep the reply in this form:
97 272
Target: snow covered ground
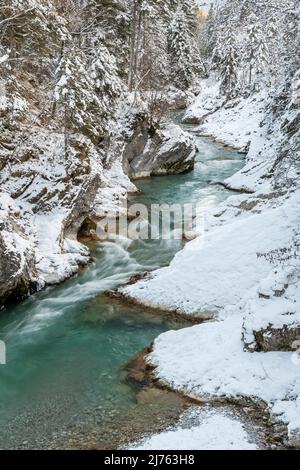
213 430
208 362
235 123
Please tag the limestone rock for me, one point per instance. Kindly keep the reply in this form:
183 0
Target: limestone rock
275 339
168 151
272 322
17 260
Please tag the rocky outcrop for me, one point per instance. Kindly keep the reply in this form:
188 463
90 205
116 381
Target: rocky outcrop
167 150
46 195
272 321
177 99
286 338
17 259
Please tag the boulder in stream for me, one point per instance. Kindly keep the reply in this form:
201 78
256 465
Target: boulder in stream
167 150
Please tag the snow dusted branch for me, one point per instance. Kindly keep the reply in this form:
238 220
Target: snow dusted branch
18 15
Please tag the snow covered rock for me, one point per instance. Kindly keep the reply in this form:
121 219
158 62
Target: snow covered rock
177 99
52 191
288 411
272 320
170 151
208 362
167 150
207 102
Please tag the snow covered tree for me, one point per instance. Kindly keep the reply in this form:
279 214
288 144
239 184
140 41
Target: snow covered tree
80 108
217 54
30 41
257 52
209 36
153 59
148 60
229 67
109 20
184 56
107 82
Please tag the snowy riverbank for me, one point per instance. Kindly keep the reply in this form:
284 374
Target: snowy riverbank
244 266
199 429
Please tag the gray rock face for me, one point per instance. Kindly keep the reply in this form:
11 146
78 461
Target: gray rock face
135 140
44 198
82 204
269 339
166 151
17 261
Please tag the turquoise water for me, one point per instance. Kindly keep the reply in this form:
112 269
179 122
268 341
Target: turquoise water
67 346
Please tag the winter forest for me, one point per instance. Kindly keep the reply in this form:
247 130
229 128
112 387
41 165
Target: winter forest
150 224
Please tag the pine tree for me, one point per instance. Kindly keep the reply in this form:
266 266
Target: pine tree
258 53
107 82
210 32
148 61
184 57
80 107
152 70
229 67
217 54
110 19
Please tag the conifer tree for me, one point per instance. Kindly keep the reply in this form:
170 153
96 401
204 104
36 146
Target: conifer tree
258 53
229 67
79 106
185 59
107 82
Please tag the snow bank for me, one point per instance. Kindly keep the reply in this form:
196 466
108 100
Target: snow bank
208 361
208 101
215 431
236 123
218 268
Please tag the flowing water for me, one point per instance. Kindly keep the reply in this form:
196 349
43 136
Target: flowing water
67 346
